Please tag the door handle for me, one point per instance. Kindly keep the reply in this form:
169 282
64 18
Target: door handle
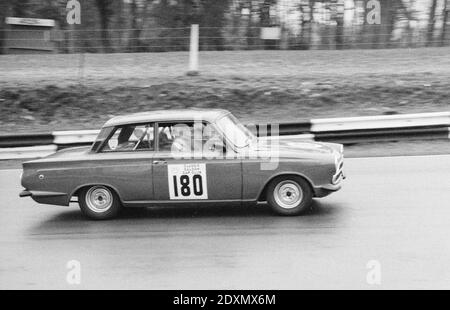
159 162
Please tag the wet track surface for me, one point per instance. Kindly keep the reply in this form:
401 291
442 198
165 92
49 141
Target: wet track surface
393 210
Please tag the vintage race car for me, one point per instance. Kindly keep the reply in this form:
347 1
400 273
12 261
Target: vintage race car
184 157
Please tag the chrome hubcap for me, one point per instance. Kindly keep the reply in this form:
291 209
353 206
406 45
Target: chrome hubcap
288 194
99 199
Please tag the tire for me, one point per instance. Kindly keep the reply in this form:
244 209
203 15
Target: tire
99 202
289 195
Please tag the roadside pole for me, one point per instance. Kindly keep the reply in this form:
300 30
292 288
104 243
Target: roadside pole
193 51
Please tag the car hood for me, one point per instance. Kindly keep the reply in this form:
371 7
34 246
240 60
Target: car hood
295 147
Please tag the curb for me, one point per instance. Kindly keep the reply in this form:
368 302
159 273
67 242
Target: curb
348 130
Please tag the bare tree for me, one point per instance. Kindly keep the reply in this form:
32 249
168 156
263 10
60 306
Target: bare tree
138 14
339 18
213 18
105 12
431 22
265 13
20 8
446 21
265 20
4 7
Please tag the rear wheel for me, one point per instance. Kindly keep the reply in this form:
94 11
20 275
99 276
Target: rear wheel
289 195
99 202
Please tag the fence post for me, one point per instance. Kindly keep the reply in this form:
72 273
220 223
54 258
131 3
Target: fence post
193 51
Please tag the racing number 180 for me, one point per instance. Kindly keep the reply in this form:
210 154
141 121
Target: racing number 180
186 185
187 181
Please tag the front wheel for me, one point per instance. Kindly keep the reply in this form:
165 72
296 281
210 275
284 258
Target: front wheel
99 202
289 195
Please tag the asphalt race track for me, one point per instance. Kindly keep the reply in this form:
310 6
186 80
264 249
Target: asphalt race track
395 211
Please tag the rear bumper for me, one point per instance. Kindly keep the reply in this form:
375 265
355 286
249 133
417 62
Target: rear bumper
25 194
51 198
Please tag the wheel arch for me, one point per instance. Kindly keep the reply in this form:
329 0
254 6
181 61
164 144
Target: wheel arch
262 193
77 190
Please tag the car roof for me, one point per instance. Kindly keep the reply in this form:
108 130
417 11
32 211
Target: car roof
209 115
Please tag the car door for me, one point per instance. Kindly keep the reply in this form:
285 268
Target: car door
193 176
124 162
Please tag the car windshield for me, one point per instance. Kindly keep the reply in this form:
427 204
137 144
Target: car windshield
237 133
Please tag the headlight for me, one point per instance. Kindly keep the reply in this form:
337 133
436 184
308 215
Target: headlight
338 162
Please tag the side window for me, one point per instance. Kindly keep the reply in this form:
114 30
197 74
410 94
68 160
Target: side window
213 140
175 137
131 138
188 137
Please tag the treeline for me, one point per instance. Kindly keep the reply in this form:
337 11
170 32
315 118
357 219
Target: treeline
163 25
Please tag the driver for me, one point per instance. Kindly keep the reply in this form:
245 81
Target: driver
182 139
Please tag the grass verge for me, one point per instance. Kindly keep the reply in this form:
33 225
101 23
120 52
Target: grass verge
62 92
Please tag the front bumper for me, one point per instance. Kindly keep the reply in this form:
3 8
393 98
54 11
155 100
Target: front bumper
326 190
335 185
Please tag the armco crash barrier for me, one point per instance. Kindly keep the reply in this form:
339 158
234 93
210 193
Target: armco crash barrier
347 130
382 128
